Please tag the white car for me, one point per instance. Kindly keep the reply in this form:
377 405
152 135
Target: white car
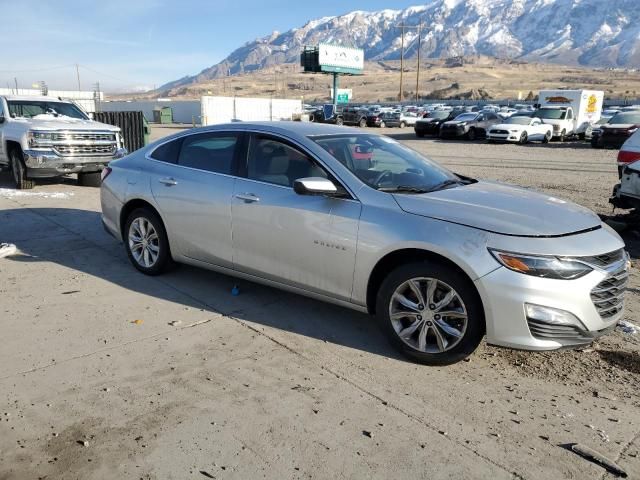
520 129
626 194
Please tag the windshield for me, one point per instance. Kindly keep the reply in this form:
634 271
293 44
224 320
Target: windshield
32 108
384 164
438 115
466 117
518 120
622 118
551 113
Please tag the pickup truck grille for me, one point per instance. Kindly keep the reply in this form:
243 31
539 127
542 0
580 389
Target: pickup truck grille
84 143
86 150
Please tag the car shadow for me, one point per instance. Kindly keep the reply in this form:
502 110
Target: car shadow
98 254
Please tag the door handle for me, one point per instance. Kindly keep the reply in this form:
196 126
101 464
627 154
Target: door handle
169 182
247 197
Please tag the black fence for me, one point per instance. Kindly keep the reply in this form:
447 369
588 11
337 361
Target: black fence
132 125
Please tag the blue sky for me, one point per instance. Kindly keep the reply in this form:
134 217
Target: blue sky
128 44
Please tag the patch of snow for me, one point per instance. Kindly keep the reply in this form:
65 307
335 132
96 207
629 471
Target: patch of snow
11 193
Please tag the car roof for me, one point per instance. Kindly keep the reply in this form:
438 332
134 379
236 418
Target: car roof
35 98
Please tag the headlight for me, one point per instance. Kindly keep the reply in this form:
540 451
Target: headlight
40 138
462 124
514 131
542 266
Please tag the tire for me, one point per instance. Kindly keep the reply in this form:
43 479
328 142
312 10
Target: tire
420 134
447 347
160 241
339 121
524 138
547 137
363 122
383 125
563 136
581 136
471 134
402 125
19 170
93 179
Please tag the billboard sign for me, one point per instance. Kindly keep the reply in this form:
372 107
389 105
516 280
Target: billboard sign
344 95
335 56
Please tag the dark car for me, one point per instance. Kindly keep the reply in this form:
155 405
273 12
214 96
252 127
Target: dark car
376 119
430 123
469 125
593 131
354 116
621 126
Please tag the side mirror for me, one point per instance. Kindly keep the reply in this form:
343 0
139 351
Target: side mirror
315 186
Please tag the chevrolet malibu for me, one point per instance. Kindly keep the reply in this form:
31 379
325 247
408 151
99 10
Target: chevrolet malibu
360 220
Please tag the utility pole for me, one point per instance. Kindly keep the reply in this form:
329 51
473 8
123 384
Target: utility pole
15 79
78 75
402 26
418 67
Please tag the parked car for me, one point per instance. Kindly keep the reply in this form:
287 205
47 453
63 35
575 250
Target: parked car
592 132
440 259
520 130
377 119
469 125
430 123
629 153
354 116
619 128
400 119
45 137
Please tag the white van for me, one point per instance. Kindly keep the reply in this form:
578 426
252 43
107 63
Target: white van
569 111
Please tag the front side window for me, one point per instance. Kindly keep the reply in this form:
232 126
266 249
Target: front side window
212 152
384 164
273 161
466 117
34 108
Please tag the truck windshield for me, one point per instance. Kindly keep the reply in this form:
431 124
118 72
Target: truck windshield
32 108
551 114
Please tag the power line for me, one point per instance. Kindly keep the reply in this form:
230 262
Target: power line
37 69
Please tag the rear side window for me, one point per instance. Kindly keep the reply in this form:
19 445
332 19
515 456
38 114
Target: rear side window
168 152
212 152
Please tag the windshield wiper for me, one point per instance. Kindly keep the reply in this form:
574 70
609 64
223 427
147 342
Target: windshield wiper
445 184
403 189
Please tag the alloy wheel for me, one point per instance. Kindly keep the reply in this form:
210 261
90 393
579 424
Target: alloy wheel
428 315
144 242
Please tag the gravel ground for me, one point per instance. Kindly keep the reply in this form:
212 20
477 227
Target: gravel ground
99 381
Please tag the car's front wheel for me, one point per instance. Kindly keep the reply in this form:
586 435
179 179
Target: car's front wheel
19 170
146 242
431 313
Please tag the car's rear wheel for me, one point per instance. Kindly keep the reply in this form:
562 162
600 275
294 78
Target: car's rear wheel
431 313
93 179
146 242
363 122
19 170
402 125
547 137
339 121
382 124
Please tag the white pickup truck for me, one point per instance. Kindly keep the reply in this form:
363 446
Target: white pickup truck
42 137
569 112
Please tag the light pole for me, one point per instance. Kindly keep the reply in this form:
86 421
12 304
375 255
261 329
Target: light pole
418 27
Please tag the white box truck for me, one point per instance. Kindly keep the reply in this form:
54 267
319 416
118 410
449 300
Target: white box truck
569 111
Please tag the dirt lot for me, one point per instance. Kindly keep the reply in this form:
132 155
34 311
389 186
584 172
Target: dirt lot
96 383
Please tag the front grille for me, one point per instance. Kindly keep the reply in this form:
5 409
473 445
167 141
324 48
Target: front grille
85 150
500 132
605 260
84 137
608 295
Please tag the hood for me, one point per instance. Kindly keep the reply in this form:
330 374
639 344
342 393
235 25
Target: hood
507 126
618 125
429 120
457 122
503 209
49 122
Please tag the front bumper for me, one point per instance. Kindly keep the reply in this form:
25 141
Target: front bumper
47 163
504 294
452 132
503 137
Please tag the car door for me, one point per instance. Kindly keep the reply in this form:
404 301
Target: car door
536 130
303 241
3 123
193 191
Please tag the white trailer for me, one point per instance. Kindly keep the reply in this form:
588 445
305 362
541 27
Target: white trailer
217 110
569 111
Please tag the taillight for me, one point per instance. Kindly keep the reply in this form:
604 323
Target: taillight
105 173
628 157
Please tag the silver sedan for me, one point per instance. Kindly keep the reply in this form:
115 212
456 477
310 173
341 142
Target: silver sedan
360 220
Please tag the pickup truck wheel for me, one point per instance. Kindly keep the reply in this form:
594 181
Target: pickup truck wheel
431 313
382 124
146 242
563 136
19 170
339 121
92 179
363 122
402 125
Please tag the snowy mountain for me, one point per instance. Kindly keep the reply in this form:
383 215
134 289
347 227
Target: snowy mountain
595 33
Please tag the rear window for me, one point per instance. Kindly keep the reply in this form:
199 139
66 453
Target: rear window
212 152
167 152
